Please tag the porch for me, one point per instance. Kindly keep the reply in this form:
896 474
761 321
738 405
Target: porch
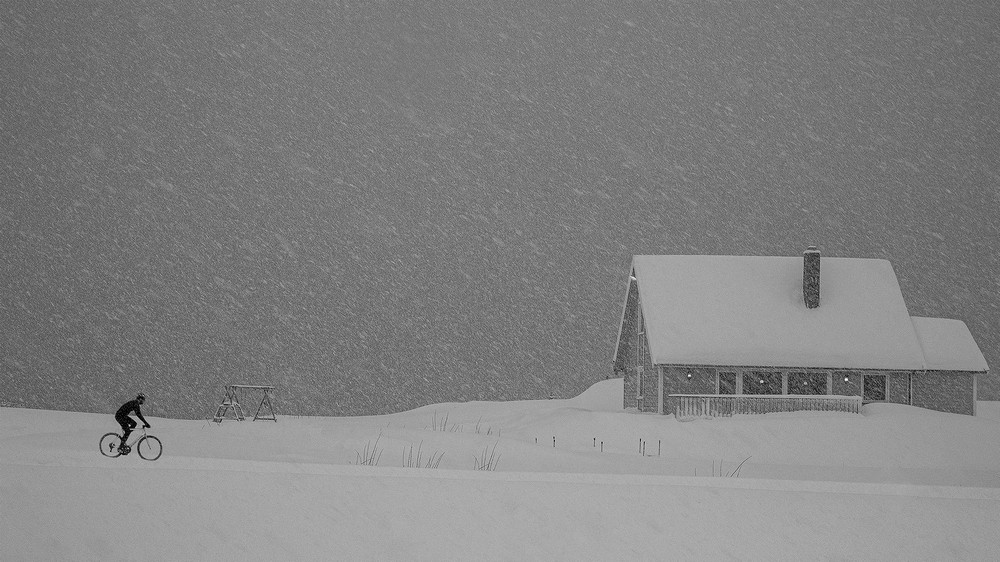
725 405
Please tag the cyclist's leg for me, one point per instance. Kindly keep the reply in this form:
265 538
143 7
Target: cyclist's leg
127 424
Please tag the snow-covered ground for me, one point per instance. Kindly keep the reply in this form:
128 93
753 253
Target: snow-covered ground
896 483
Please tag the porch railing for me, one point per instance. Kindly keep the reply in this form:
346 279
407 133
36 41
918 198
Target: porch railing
723 405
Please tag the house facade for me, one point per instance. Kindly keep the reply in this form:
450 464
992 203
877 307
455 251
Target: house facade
787 331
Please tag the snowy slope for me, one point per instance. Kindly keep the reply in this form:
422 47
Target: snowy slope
895 483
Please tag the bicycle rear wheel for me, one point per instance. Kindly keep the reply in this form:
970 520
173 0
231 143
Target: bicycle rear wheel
110 443
149 448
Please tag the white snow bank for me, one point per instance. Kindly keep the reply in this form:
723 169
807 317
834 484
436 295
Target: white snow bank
989 410
895 483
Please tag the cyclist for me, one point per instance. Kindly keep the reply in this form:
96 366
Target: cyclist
127 423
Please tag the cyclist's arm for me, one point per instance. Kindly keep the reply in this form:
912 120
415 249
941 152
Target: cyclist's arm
139 415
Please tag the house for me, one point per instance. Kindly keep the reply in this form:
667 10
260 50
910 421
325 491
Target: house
786 333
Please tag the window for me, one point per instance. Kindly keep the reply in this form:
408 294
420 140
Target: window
761 382
874 388
727 383
806 383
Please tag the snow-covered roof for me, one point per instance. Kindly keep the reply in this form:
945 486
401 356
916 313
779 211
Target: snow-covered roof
748 310
948 345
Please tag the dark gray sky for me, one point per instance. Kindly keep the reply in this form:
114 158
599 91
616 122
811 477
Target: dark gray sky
381 206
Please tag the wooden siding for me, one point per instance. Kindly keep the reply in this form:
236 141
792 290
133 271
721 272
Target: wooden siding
945 391
624 364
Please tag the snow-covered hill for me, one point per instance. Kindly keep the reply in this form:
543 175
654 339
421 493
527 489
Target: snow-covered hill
895 483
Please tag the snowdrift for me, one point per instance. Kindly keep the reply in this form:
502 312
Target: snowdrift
569 483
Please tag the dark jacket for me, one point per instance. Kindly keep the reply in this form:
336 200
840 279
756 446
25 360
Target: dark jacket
129 407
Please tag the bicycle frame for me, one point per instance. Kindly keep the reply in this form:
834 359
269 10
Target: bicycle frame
137 436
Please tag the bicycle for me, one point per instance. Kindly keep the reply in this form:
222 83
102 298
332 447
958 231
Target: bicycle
148 446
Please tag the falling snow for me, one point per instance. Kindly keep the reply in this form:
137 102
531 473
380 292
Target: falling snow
375 207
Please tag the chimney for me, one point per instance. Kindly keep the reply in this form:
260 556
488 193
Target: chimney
810 277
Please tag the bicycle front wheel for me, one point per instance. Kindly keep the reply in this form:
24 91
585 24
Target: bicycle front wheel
149 448
110 443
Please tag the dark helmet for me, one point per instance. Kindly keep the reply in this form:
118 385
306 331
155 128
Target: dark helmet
141 397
